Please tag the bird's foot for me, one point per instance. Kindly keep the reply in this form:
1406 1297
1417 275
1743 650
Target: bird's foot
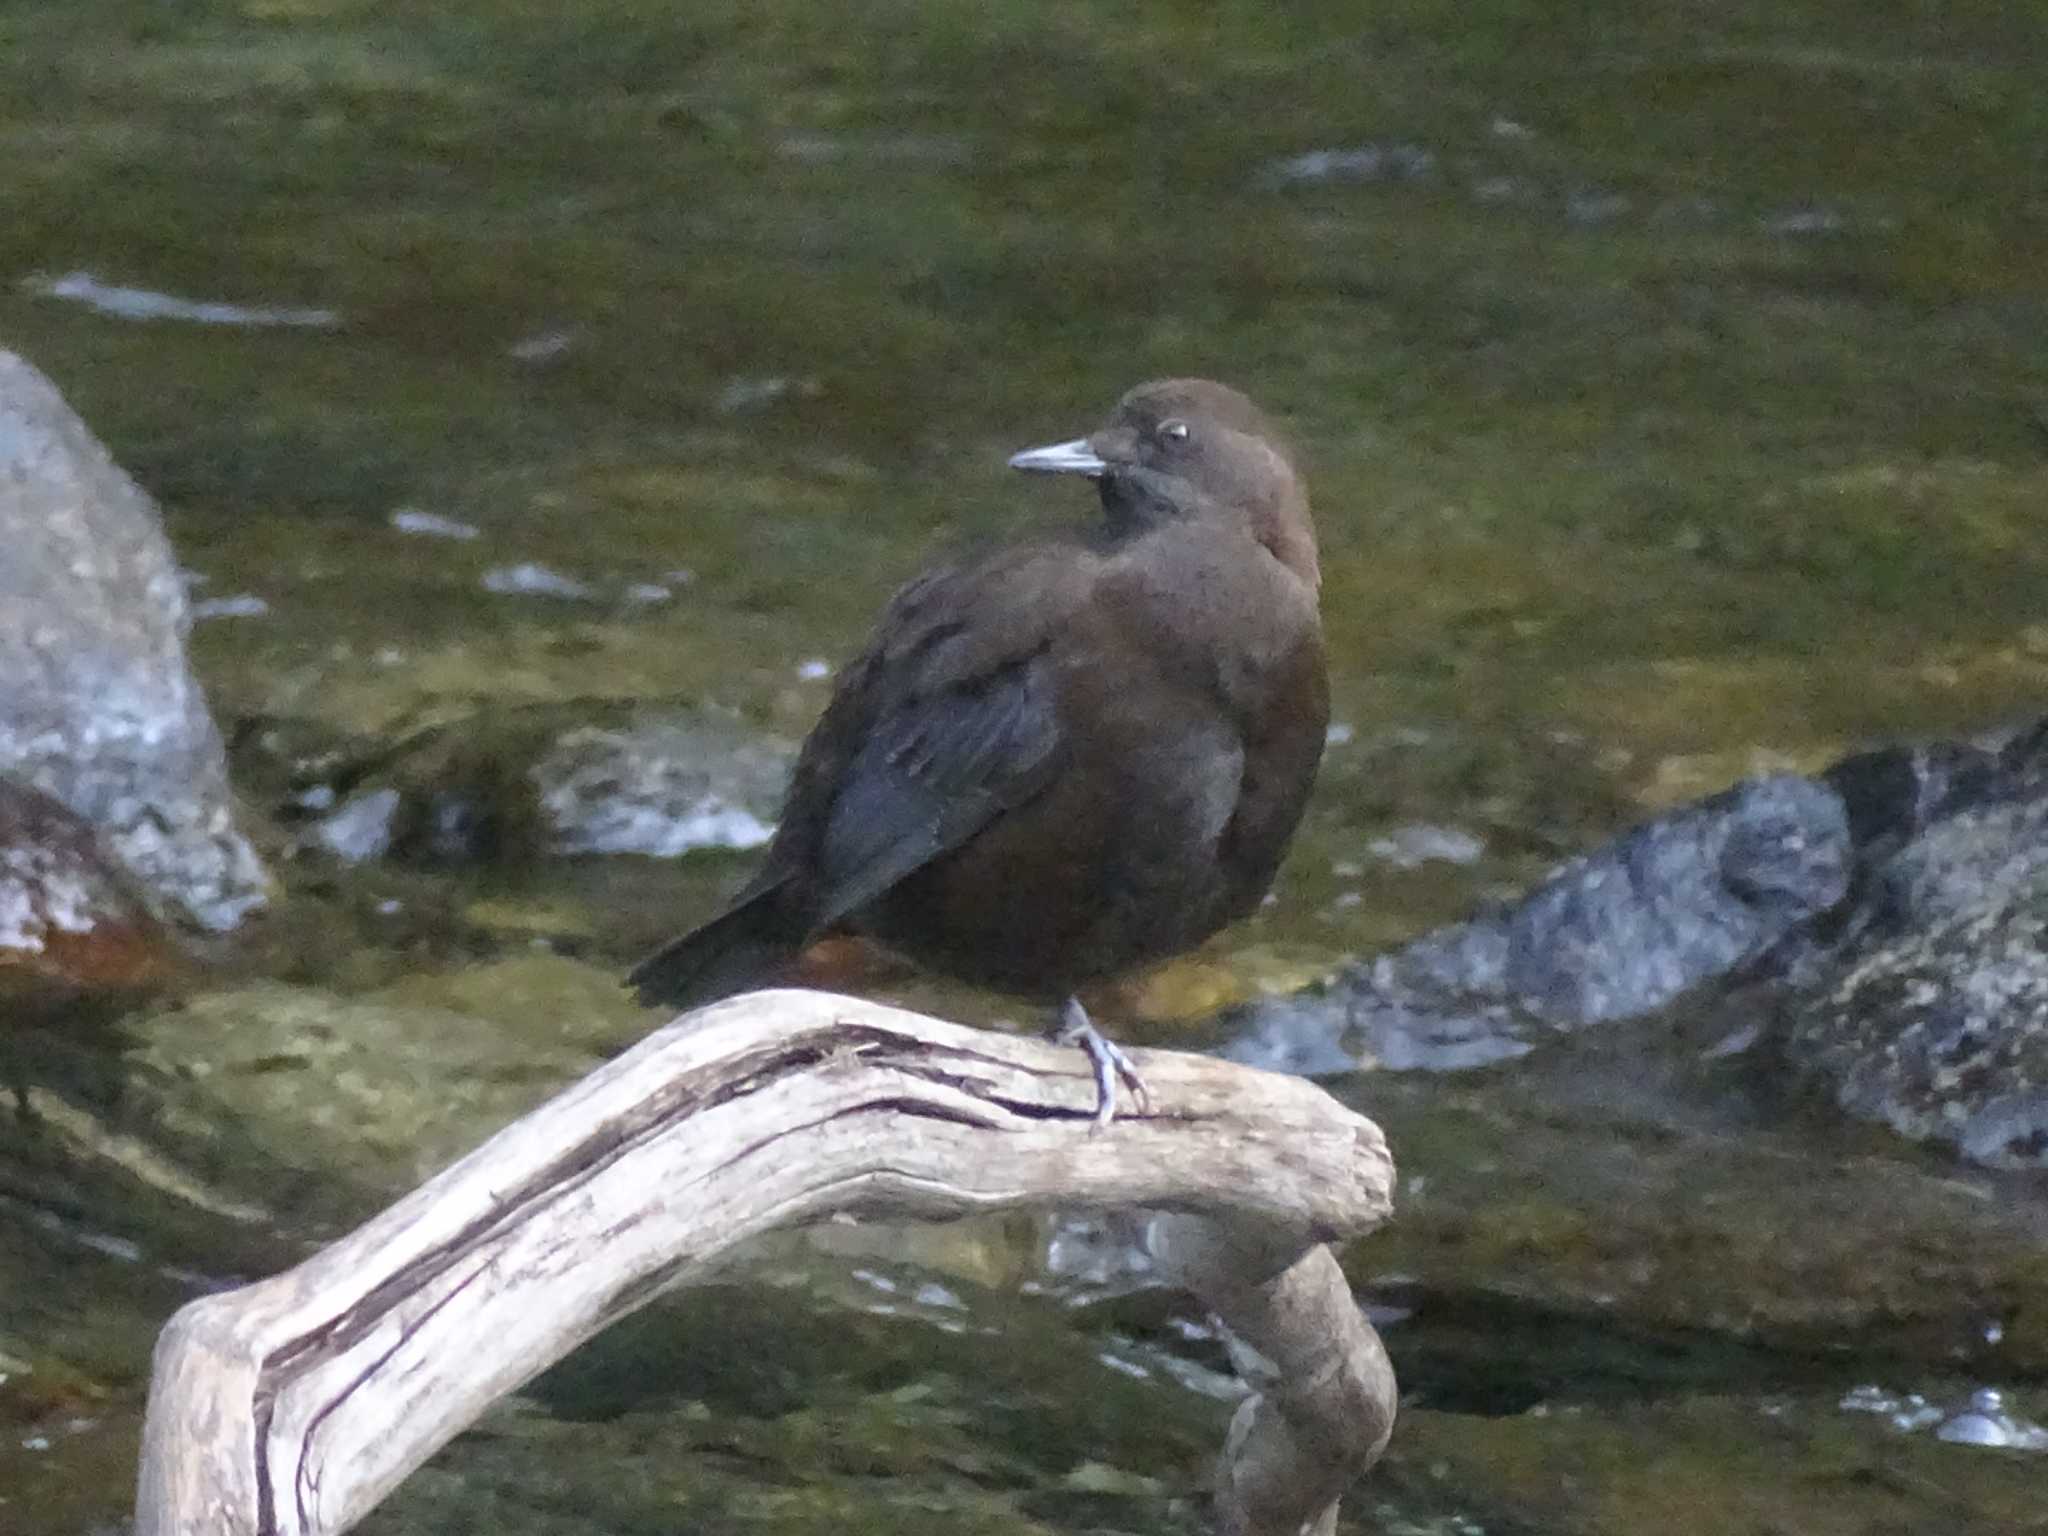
1105 1056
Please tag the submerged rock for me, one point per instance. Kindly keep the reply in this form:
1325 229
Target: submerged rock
294 1099
100 709
662 787
542 781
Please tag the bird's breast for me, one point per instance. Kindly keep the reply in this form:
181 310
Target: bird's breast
1218 613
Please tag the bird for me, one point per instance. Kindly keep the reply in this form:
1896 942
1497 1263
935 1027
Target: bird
1069 758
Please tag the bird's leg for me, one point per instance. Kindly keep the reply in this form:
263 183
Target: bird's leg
1104 1055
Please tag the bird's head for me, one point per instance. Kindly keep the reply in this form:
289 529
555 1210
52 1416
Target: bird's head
1180 449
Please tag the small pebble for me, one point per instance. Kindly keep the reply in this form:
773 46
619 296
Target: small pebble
431 525
531 580
1797 222
244 605
146 304
542 347
751 394
1425 843
362 829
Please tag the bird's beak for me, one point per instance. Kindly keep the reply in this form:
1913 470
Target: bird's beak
1072 458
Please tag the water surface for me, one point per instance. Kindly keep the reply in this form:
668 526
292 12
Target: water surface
1672 385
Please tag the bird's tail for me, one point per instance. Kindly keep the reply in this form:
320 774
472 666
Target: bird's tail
747 946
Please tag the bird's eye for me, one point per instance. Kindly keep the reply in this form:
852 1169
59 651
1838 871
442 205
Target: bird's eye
1175 431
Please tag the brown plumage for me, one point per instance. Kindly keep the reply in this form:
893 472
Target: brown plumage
1071 757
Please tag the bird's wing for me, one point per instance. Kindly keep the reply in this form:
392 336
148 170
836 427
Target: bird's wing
946 722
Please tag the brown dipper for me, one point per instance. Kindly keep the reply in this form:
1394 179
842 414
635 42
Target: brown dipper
1069 758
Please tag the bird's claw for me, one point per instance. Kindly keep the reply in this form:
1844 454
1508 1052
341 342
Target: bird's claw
1106 1058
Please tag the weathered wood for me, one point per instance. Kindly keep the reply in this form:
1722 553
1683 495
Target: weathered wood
1325 1403
293 1405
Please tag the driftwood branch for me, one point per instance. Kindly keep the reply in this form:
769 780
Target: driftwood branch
1325 1402
292 1406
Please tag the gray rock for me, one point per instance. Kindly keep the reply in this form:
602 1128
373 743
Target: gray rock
1934 1016
1688 897
100 709
660 787
1882 929
360 829
1680 901
1363 163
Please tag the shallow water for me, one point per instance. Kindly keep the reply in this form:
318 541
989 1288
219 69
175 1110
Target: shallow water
1672 383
